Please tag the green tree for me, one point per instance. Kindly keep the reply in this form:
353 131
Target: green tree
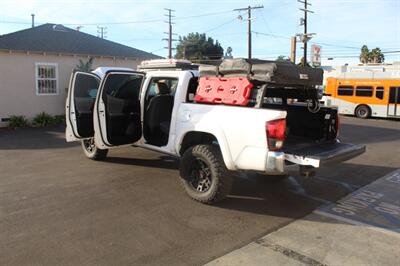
376 56
364 56
373 56
196 46
85 66
282 58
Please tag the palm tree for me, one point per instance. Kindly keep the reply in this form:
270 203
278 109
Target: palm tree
376 56
85 67
365 55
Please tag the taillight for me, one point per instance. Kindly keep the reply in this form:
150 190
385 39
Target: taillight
275 131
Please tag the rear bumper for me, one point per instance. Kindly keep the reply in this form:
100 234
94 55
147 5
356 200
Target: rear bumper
275 163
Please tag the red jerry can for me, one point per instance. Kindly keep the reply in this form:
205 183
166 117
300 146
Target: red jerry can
231 90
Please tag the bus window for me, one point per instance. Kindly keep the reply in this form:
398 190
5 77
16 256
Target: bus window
345 90
379 91
364 91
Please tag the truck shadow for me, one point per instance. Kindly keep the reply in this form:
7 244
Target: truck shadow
296 196
51 137
164 162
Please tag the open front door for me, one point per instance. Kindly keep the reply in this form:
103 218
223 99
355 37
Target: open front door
117 118
79 106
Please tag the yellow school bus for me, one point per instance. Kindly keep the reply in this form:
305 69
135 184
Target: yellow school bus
364 97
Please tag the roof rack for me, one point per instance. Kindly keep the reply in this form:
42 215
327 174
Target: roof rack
171 64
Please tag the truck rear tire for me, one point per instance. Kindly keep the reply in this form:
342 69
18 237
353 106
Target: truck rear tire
204 175
92 152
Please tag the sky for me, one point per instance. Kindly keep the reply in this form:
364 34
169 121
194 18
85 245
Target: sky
341 26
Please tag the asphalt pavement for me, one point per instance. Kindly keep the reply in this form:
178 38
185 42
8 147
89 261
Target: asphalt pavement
59 208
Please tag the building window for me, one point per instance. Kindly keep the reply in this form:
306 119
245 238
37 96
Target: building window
364 91
46 78
379 91
345 90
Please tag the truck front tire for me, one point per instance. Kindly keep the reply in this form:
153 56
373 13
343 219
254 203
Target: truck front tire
92 152
204 175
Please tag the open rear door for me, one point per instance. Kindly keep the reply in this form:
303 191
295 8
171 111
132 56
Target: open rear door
117 116
80 104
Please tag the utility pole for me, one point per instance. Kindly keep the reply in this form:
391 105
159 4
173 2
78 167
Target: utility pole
101 32
33 20
305 37
249 8
293 49
169 39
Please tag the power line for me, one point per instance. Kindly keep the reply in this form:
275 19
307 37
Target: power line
221 25
122 22
157 50
205 15
320 43
271 35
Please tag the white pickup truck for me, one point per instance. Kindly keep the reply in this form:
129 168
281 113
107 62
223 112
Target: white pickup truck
154 109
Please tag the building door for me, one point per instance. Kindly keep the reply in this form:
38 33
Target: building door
394 101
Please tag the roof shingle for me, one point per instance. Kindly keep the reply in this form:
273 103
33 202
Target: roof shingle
53 38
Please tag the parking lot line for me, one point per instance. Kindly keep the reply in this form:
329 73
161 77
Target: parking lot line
299 190
362 228
376 204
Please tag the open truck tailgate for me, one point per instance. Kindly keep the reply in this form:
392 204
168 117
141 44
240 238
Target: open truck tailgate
323 154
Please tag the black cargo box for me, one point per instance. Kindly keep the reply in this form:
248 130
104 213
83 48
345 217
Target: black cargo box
276 72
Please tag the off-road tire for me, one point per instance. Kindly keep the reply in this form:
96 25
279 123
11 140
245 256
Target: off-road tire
363 111
93 152
221 180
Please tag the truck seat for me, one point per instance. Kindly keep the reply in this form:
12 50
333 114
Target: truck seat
158 116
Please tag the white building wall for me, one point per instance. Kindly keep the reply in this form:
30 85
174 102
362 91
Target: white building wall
18 87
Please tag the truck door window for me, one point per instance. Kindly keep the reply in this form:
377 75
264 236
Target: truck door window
152 90
121 99
86 86
159 103
85 91
192 87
